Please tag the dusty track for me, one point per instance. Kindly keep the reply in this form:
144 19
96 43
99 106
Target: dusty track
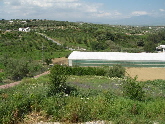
17 82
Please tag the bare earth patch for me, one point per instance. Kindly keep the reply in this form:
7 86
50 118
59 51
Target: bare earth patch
146 73
63 61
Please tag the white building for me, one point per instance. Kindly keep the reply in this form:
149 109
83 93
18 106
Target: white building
161 47
112 58
24 29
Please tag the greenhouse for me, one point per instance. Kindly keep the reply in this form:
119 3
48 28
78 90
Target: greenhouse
77 58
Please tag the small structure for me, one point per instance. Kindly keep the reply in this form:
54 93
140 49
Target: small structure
24 29
160 47
77 58
11 22
23 21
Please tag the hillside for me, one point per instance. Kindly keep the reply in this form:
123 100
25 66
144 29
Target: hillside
24 53
94 37
77 94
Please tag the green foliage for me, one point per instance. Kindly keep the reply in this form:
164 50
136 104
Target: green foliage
87 35
97 98
58 79
20 53
149 47
82 105
2 76
133 90
116 71
48 60
20 100
16 69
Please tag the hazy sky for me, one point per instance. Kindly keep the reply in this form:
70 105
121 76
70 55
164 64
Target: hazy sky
81 10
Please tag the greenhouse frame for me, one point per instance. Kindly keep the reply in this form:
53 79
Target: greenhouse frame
77 58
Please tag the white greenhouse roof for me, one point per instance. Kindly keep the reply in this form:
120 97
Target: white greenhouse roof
116 56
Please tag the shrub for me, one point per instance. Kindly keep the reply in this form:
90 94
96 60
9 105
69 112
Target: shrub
132 89
17 69
48 60
2 75
116 71
58 79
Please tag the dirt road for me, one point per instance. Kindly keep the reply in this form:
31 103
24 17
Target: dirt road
17 82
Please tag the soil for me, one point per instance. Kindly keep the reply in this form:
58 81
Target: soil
61 61
146 73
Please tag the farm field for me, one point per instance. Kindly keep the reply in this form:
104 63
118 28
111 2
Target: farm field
146 73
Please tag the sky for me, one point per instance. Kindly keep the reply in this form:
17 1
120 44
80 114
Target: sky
95 11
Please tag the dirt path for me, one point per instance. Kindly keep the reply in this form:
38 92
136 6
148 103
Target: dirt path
55 61
17 82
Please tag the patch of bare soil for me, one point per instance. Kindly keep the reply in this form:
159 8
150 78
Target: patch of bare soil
61 61
146 73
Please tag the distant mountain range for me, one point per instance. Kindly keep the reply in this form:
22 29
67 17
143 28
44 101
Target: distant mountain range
140 20
136 20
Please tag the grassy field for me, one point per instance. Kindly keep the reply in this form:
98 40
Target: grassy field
91 98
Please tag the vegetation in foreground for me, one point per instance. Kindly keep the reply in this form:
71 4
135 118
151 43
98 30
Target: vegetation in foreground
73 98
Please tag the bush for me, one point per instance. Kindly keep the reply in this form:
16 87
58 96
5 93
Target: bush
132 89
2 75
116 71
58 79
17 69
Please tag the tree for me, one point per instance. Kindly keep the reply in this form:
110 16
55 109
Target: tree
57 79
17 69
48 60
149 46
